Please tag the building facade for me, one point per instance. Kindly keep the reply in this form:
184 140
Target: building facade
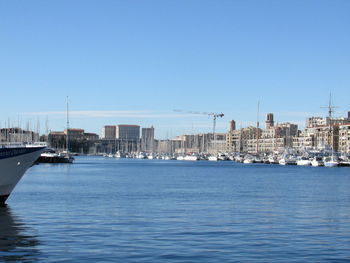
147 139
78 140
108 132
18 135
127 132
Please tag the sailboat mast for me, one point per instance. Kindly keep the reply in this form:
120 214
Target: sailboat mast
67 117
257 129
214 138
330 110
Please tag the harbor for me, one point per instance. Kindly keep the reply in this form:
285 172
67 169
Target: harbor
125 210
179 131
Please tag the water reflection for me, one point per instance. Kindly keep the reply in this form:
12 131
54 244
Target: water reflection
15 242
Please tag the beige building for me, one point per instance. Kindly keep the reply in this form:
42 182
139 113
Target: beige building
108 132
344 138
242 140
251 139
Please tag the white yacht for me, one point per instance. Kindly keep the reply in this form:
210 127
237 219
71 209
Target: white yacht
192 157
317 161
223 157
248 159
239 159
344 161
303 160
213 158
141 155
331 161
51 156
14 162
287 159
180 158
273 159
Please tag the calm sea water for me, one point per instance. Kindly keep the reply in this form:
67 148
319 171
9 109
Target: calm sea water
108 210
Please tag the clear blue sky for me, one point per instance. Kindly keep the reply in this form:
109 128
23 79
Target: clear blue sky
136 61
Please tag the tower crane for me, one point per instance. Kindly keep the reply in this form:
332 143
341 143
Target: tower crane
210 114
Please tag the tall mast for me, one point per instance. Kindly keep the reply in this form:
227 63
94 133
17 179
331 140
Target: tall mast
330 111
257 129
214 141
67 117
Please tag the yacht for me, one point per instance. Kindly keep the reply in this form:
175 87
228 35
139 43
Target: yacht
303 160
222 157
51 156
14 162
213 158
239 159
258 159
317 161
273 159
118 155
141 155
287 159
331 161
344 161
192 157
180 158
248 159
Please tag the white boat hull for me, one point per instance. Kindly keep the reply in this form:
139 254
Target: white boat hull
317 163
331 164
212 158
191 158
304 162
14 162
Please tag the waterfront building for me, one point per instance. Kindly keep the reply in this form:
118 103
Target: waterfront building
127 132
218 145
57 140
315 122
108 132
168 146
321 133
91 136
251 139
79 141
195 142
304 140
344 138
241 140
147 139
18 135
74 134
269 123
233 141
271 140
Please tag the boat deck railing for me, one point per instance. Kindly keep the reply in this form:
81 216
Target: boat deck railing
22 144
